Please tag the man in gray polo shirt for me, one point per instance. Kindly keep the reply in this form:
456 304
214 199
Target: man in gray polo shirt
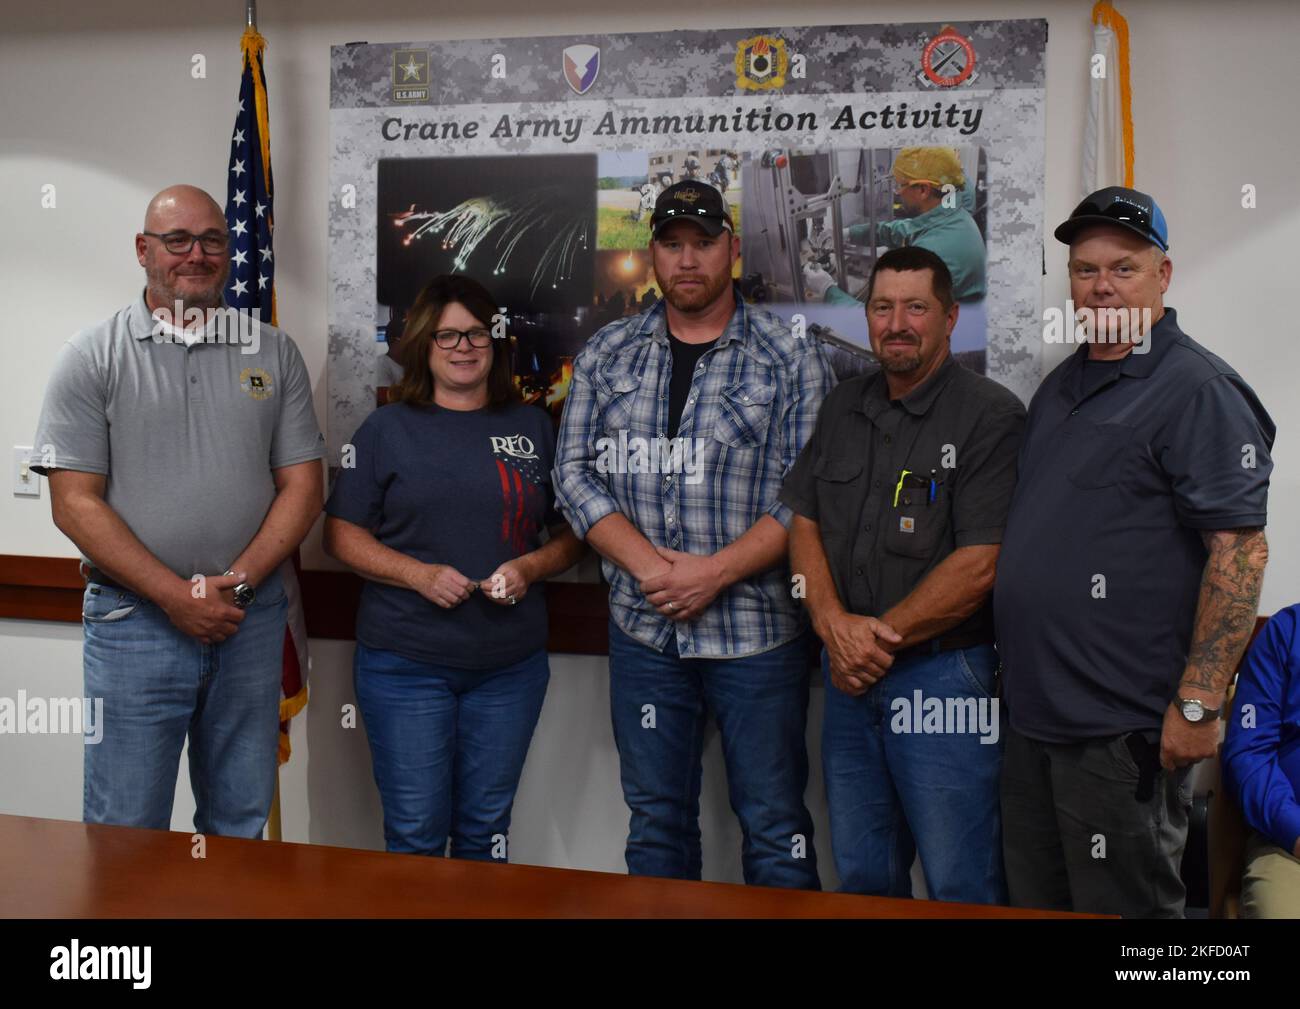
184 463
1128 582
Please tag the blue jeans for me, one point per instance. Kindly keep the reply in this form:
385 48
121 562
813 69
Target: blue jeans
900 778
448 747
658 703
158 685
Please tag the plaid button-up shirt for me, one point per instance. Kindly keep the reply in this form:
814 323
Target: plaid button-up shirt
752 404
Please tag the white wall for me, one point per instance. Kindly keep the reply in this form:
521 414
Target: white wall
99 101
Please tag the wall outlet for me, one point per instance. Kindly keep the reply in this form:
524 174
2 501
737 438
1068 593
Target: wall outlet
26 482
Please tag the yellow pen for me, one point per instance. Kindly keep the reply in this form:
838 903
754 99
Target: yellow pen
899 489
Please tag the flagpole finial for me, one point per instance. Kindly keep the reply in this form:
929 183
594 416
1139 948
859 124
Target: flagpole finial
250 10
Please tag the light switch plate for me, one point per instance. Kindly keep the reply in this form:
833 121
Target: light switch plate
26 483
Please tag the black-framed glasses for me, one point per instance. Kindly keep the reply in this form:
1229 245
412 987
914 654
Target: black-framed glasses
179 243
449 339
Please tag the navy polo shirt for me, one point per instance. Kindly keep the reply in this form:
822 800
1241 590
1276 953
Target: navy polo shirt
1122 470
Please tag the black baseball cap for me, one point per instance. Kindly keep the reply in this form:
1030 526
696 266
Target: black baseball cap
693 201
1124 208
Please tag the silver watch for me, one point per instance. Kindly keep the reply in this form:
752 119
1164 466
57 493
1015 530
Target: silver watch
1195 711
244 594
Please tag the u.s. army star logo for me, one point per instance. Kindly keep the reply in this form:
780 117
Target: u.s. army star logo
256 382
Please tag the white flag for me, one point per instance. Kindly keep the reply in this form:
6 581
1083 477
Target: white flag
1108 136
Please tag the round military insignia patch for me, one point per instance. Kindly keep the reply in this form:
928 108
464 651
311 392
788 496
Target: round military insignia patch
256 382
948 59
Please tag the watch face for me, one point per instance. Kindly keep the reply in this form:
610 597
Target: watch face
1193 711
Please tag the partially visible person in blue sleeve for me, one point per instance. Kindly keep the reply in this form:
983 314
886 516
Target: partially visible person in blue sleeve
1261 767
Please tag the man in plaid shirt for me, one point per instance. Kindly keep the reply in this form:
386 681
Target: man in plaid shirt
679 427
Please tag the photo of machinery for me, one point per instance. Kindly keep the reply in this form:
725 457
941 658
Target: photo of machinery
817 221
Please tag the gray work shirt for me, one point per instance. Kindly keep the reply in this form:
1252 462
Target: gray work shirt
187 436
958 428
1124 467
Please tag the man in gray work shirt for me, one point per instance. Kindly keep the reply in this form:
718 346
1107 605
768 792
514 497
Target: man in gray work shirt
184 463
900 497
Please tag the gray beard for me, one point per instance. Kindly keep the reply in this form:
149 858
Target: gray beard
165 294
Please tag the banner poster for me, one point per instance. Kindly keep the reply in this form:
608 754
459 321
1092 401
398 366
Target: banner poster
532 164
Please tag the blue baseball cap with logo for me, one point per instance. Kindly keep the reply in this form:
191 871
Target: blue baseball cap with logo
1121 207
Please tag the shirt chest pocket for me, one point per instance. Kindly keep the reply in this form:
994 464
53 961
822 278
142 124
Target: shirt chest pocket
839 494
918 527
744 414
615 399
1101 455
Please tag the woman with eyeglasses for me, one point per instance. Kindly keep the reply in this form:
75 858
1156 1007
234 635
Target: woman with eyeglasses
439 505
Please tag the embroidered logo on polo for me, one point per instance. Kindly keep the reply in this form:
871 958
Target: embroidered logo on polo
256 383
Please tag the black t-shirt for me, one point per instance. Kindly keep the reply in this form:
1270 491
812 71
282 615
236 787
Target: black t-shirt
1120 474
468 488
685 357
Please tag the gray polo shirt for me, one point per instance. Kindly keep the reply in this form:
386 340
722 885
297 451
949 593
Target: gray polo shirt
960 430
187 436
1124 466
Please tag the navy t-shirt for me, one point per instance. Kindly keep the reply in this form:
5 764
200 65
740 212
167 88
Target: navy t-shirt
468 488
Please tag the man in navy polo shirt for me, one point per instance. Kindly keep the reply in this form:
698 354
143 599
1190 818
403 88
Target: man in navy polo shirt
1128 580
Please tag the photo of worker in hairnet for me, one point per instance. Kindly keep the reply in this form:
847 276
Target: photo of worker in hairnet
818 221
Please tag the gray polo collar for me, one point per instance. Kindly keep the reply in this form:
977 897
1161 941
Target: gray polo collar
140 321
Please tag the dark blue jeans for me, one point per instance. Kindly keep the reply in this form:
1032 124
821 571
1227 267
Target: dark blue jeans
658 703
913 764
448 747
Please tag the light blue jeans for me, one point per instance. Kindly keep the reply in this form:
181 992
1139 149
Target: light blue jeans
159 685
903 775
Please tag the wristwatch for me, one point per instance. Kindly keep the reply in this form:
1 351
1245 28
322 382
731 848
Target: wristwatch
244 594
1195 711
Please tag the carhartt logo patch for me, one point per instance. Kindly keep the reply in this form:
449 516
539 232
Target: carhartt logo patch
906 524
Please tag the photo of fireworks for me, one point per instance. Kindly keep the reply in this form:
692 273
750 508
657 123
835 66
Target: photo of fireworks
528 236
522 227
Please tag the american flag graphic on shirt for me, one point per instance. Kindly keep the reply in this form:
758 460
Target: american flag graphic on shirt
523 490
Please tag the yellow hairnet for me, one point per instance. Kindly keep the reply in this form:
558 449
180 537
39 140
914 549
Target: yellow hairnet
938 165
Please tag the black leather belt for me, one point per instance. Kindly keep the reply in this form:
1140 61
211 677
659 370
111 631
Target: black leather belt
945 643
93 574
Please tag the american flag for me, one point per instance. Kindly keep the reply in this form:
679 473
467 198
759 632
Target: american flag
252 286
249 190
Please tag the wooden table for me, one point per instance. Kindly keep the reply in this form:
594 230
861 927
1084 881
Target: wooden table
65 869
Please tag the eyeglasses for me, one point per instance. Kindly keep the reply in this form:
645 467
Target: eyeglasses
449 339
179 243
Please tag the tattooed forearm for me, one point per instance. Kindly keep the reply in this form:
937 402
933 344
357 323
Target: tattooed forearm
1225 612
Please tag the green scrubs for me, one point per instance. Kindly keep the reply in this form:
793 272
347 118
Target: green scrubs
949 232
